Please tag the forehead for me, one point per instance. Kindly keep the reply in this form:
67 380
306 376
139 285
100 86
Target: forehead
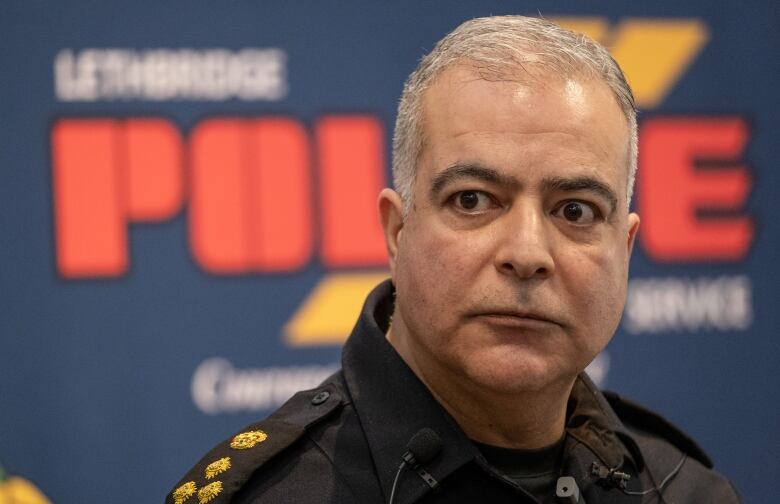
535 121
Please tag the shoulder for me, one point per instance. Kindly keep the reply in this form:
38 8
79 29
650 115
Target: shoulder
673 457
645 421
226 468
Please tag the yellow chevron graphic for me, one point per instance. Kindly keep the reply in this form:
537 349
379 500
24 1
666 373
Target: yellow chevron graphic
654 53
326 317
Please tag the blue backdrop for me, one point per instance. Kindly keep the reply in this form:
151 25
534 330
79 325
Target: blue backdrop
186 237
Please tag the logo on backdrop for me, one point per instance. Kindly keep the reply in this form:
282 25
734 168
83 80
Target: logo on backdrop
236 174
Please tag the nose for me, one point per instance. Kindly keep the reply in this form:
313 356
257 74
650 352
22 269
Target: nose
523 246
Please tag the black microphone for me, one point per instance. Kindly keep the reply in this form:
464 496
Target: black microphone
421 449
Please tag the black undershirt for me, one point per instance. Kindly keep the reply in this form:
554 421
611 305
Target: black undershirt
536 471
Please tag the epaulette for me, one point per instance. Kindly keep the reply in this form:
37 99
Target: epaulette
225 469
639 417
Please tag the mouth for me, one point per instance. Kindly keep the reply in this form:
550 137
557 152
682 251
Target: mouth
516 318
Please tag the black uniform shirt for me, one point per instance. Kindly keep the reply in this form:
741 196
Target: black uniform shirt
343 443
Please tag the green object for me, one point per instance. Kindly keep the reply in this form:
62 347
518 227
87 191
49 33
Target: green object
3 474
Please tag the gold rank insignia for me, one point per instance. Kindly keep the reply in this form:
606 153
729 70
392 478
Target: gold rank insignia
184 492
247 440
217 467
209 491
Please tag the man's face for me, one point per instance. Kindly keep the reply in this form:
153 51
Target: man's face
511 265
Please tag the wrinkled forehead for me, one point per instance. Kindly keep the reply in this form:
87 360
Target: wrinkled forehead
581 109
534 92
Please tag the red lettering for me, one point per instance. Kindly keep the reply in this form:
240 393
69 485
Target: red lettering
105 174
351 174
673 186
155 169
250 195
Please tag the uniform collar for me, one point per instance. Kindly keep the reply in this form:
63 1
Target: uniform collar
592 421
393 405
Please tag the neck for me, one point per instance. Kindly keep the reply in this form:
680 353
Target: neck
526 419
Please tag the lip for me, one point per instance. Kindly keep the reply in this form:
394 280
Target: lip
516 318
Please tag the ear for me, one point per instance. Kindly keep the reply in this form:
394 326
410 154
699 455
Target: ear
633 228
392 217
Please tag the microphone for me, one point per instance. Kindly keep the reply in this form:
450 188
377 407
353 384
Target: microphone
421 449
610 478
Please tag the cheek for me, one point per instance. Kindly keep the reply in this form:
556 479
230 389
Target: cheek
435 252
595 279
436 269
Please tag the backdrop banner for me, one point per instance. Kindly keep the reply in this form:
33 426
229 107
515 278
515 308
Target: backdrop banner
189 228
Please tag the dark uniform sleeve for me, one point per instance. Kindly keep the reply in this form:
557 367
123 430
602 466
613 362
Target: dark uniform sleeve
681 470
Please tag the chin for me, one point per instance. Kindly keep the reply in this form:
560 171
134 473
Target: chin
508 375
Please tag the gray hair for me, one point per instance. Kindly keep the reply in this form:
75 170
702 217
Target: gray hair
498 47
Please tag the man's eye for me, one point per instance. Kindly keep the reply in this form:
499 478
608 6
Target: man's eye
472 201
578 212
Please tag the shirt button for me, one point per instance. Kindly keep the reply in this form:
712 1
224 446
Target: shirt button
320 398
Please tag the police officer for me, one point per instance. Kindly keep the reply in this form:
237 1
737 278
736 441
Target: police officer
509 236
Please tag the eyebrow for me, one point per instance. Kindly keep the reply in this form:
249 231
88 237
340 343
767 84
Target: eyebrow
582 184
461 171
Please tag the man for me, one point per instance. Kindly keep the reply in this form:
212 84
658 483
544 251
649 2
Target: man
509 239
